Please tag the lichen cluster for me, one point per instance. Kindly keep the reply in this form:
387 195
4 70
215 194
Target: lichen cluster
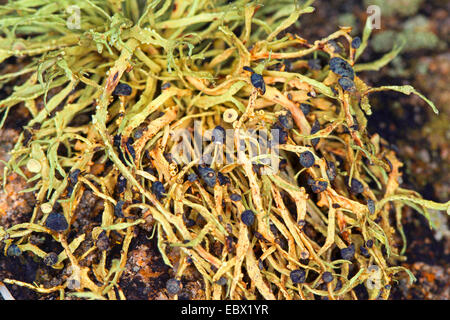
325 221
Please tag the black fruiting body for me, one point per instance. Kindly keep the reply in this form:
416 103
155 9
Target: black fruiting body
298 276
223 179
208 175
257 80
27 135
158 189
118 209
306 108
342 68
222 281
13 251
248 217
347 84
356 186
117 141
173 286
56 222
317 186
218 135
327 277
229 243
192 177
364 251
307 159
286 121
348 253
235 197
188 222
122 89
51 259
314 129
130 148
121 183
371 206
279 135
356 42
